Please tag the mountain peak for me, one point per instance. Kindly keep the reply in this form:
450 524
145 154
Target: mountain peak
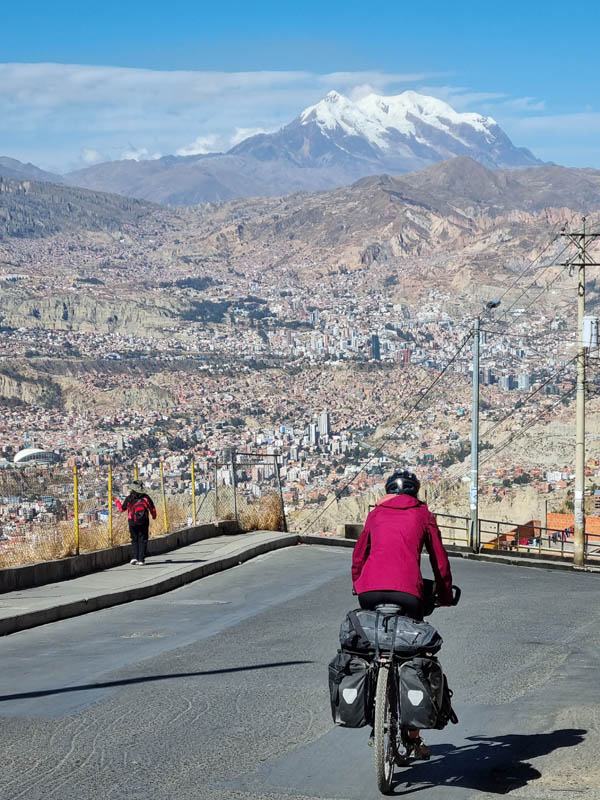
407 130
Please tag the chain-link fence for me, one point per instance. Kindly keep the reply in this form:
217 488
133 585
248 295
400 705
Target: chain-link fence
257 492
36 514
54 511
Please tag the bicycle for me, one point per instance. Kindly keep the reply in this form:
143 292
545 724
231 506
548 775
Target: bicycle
392 742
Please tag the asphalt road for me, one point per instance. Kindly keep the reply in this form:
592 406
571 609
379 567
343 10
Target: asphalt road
219 690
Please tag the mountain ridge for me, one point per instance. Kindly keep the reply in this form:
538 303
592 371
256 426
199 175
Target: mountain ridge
33 209
333 143
12 168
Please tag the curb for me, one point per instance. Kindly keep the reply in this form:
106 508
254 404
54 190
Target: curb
41 573
458 551
525 562
33 619
242 554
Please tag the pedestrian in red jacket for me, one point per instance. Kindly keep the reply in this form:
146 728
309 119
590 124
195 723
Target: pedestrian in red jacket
139 507
386 563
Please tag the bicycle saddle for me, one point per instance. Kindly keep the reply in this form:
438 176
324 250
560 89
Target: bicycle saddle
390 608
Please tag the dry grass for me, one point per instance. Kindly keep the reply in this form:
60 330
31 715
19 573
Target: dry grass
266 514
54 541
179 512
48 545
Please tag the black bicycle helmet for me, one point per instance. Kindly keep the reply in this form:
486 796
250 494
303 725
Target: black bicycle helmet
403 482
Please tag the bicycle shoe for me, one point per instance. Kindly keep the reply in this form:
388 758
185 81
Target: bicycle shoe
419 750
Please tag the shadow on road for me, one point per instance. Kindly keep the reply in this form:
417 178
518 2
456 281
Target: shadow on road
145 679
494 764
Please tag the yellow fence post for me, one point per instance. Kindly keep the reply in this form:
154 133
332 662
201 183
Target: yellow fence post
110 501
76 508
164 502
135 472
193 491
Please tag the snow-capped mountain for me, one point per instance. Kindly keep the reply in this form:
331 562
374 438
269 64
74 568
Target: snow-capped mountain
398 133
333 143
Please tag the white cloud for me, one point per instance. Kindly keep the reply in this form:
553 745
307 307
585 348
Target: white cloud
139 154
582 125
90 156
462 98
245 133
49 113
526 104
200 146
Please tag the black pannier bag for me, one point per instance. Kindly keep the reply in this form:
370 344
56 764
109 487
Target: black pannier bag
425 699
366 630
351 690
447 713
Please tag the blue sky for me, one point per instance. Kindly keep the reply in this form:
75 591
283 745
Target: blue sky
82 82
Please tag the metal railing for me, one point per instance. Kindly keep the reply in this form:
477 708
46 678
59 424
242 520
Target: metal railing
512 537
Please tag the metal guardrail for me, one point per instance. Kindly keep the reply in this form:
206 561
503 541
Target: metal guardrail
512 537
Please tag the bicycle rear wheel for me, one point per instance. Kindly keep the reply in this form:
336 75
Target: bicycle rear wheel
385 729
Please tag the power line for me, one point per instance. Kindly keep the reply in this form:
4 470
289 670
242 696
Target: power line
521 403
526 340
497 449
526 427
528 266
533 283
415 405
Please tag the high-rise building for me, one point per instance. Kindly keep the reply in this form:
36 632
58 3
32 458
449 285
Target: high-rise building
375 347
324 424
406 356
524 381
313 433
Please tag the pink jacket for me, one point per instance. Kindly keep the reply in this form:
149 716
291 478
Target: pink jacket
387 554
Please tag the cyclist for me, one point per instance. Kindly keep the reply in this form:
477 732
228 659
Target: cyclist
386 563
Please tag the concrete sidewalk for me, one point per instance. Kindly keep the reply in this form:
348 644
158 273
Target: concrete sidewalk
27 608
38 605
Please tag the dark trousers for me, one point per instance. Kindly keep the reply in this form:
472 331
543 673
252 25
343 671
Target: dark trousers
412 606
139 540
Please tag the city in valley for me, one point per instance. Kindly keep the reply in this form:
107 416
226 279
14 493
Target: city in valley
259 327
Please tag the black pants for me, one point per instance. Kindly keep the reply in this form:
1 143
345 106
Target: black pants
139 540
413 607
